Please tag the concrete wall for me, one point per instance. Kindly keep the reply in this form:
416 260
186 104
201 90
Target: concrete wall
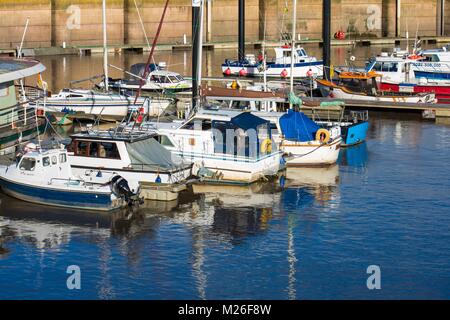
79 22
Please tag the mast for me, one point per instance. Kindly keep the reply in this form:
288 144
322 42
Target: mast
150 57
105 49
294 23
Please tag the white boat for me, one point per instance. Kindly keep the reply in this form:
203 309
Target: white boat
158 80
303 141
228 147
92 104
279 67
45 177
137 156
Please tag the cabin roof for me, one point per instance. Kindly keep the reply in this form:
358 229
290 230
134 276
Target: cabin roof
358 75
13 69
123 135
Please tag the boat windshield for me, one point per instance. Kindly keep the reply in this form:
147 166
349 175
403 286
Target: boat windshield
27 164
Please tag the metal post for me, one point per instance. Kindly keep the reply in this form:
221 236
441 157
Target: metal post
195 42
241 50
105 48
326 30
397 20
209 21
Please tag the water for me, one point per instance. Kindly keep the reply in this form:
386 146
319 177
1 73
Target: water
386 203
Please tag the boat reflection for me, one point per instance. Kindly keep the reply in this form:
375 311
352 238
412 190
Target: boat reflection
356 156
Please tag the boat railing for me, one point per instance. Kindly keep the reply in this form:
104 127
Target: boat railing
80 181
356 116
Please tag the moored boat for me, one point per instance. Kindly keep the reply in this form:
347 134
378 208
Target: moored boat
226 147
137 156
363 86
45 177
279 67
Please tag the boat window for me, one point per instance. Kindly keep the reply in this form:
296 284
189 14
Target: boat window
189 125
46 161
54 160
431 58
62 158
287 53
155 79
377 66
164 140
273 128
180 78
28 164
108 150
206 125
93 149
82 148
173 79
74 96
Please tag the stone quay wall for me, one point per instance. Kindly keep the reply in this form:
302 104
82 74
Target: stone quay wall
79 22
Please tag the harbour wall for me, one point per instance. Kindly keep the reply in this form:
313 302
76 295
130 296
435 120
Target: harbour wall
54 23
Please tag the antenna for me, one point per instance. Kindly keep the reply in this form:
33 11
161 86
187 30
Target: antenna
19 52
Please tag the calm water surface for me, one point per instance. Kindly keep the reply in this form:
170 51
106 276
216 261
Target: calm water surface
386 203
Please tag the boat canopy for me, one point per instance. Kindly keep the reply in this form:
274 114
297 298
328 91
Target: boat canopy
297 126
13 69
139 68
149 153
246 121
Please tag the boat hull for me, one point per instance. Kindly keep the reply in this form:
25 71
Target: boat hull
354 134
442 92
97 201
224 169
275 69
301 154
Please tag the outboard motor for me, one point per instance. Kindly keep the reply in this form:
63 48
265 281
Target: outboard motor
121 189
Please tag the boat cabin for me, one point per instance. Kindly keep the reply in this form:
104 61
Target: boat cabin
119 150
166 77
218 131
364 82
283 55
43 165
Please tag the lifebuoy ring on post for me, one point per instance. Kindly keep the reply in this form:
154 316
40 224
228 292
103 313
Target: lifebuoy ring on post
266 146
323 135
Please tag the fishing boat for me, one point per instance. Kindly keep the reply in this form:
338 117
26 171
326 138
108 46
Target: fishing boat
45 177
18 121
279 67
137 156
225 146
418 74
157 80
363 86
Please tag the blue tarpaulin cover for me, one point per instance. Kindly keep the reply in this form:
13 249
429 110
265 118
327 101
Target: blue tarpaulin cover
297 126
246 121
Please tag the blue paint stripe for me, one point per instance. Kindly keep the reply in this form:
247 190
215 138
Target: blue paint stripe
59 197
432 75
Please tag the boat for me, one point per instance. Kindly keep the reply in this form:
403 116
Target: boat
363 86
135 155
157 80
225 146
418 75
45 177
18 121
76 103
304 142
279 67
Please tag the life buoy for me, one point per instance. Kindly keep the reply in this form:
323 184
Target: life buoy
266 146
323 135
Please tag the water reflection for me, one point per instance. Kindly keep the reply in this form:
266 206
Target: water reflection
355 156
